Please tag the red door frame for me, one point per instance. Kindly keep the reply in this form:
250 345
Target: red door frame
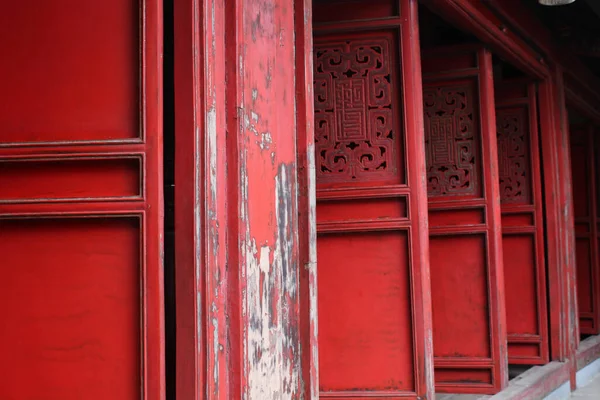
200 273
69 200
481 208
505 32
523 221
414 188
586 229
243 137
307 221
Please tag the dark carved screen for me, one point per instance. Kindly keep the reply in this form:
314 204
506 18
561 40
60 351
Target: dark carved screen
357 134
451 140
513 155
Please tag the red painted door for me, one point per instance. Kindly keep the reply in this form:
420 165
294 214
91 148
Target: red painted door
373 299
80 200
522 222
469 335
586 231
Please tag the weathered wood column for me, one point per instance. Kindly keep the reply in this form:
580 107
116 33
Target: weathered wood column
556 164
244 252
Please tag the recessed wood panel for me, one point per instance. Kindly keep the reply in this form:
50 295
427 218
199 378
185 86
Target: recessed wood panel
579 165
461 304
583 229
524 219
365 340
70 70
92 178
361 209
345 11
434 61
465 376
70 297
586 323
584 275
438 218
520 275
523 350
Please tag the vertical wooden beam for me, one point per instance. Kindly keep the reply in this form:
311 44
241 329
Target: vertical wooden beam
568 226
243 274
307 224
559 221
490 170
200 201
415 125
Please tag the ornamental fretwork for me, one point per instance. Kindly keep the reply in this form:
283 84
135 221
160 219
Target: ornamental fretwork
355 136
513 160
451 141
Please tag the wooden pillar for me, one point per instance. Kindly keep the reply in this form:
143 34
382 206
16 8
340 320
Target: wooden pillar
244 253
554 138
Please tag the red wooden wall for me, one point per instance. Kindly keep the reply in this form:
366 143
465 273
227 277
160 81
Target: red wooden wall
371 211
522 222
464 218
586 228
80 200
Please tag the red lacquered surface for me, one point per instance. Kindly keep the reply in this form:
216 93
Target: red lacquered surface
81 203
469 335
244 207
372 247
73 71
522 222
586 234
72 309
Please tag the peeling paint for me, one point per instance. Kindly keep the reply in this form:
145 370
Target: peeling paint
271 283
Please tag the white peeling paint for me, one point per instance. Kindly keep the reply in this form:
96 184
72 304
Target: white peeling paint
272 277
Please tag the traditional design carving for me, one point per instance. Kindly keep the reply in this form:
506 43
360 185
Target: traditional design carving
513 160
355 131
451 141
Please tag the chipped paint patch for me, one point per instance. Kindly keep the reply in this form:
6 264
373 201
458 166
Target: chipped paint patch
271 291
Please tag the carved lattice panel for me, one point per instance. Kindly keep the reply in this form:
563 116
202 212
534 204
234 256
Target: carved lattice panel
513 156
451 140
356 119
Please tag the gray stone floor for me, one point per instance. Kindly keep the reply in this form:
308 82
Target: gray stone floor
589 392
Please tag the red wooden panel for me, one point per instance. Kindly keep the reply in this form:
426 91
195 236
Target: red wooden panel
358 134
71 309
365 324
466 258
81 63
373 283
81 200
585 287
453 217
521 306
80 178
522 222
476 375
460 311
337 11
362 209
525 219
583 169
